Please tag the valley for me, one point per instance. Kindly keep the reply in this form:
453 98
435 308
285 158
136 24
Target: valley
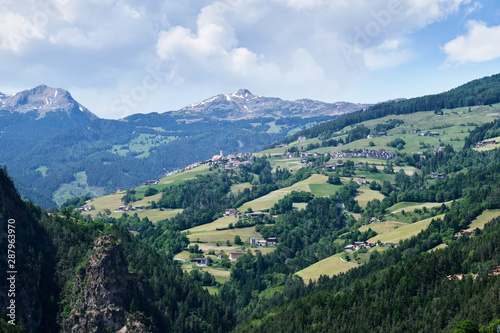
325 224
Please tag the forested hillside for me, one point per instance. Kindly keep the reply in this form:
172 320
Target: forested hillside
483 91
76 275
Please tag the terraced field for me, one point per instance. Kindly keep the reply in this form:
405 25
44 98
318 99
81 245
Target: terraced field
267 201
334 265
330 266
404 232
153 215
208 233
411 206
484 218
382 227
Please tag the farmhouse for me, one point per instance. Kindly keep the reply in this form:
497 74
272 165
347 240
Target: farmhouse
435 175
272 241
235 255
151 182
361 182
201 262
489 142
86 208
230 211
262 242
359 245
349 248
254 241
302 138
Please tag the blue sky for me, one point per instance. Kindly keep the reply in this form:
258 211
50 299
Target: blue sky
119 57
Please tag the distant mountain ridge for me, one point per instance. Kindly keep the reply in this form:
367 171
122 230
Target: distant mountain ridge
44 99
55 148
245 105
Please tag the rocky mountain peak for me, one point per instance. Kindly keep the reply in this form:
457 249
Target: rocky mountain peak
243 93
43 99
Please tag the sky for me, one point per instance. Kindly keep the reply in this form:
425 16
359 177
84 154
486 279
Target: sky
120 57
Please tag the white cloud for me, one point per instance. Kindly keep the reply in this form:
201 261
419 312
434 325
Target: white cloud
481 43
285 48
389 54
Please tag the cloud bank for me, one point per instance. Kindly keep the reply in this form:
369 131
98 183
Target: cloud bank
141 56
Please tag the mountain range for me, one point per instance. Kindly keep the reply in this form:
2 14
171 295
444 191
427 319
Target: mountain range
55 148
244 105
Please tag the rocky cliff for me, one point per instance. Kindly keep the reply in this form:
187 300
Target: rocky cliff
103 292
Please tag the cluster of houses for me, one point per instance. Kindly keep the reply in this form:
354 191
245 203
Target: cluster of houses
86 208
203 262
485 143
189 167
379 134
435 175
150 182
234 212
128 208
426 133
381 154
225 162
263 242
358 245
463 233
495 271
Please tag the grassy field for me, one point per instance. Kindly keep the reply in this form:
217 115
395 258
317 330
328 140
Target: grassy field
300 145
334 265
365 195
153 215
189 174
440 246
113 201
146 201
330 266
209 233
267 201
141 145
222 222
77 188
404 232
43 170
382 227
411 206
452 129
299 205
291 164
240 187
484 218
224 235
